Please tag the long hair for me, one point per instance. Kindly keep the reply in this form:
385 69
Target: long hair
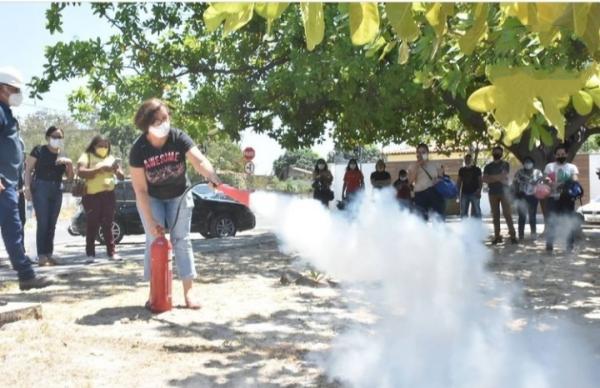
350 162
317 165
95 140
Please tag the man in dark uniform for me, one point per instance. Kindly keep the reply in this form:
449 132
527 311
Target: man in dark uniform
11 161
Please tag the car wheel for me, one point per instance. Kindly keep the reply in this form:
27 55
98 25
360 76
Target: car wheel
222 225
117 232
206 234
71 232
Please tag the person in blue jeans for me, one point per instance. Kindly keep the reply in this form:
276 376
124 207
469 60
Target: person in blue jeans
524 183
44 172
158 173
469 184
11 160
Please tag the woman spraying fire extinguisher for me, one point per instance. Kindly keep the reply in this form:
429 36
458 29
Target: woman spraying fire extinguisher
158 173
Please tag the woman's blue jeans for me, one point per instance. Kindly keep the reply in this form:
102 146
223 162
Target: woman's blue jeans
164 212
47 201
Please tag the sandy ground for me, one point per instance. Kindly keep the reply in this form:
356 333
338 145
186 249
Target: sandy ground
251 331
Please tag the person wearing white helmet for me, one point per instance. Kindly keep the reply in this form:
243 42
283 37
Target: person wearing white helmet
11 160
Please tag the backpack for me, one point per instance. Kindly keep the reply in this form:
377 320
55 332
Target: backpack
572 190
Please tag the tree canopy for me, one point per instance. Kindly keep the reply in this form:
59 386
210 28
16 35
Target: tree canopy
454 75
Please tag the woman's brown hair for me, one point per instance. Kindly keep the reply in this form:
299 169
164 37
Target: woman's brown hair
144 116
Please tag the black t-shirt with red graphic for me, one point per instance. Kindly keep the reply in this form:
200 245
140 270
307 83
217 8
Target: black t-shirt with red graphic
165 167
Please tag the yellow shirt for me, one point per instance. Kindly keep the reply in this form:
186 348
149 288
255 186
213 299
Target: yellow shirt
104 181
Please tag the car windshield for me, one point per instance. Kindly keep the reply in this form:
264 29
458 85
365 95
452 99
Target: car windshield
204 190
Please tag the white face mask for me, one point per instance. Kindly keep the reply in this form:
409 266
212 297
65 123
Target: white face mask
528 166
425 156
15 99
161 130
56 143
321 166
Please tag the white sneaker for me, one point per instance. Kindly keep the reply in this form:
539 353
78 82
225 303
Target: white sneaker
115 257
90 260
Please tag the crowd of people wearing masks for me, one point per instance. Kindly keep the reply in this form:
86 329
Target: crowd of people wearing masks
158 161
416 190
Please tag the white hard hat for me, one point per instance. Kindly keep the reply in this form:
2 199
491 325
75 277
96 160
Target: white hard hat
11 76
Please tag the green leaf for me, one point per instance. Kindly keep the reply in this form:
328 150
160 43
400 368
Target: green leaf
534 135
239 19
436 15
583 103
270 11
314 26
374 47
386 50
468 42
403 53
364 22
545 136
400 16
595 93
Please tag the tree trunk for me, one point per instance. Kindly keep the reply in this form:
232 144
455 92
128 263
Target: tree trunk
576 133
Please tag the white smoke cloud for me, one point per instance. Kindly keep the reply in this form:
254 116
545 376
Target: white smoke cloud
443 318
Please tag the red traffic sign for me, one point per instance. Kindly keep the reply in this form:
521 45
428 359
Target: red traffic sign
249 153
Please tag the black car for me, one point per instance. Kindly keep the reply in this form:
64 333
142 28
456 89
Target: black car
215 214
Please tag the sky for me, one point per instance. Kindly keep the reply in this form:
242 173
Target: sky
24 38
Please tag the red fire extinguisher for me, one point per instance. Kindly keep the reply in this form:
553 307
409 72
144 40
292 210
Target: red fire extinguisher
161 275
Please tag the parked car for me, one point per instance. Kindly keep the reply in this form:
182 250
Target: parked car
590 213
215 214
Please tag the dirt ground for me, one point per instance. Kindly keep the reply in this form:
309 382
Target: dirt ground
251 331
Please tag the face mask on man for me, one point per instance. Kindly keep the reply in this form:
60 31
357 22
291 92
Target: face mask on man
56 143
161 130
321 166
102 151
528 165
15 99
352 166
425 156
561 159
403 179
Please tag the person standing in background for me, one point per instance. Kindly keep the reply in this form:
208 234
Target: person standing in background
11 161
44 172
524 188
469 184
495 174
98 167
380 178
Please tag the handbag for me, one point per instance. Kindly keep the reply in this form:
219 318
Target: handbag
79 188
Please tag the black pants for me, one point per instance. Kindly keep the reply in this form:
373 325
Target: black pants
527 208
430 200
561 220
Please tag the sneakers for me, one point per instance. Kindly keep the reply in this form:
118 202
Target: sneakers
497 240
115 257
90 260
35 282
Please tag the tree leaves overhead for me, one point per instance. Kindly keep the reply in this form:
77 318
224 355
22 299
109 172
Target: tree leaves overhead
400 16
477 31
271 12
407 79
314 26
235 16
364 22
514 107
